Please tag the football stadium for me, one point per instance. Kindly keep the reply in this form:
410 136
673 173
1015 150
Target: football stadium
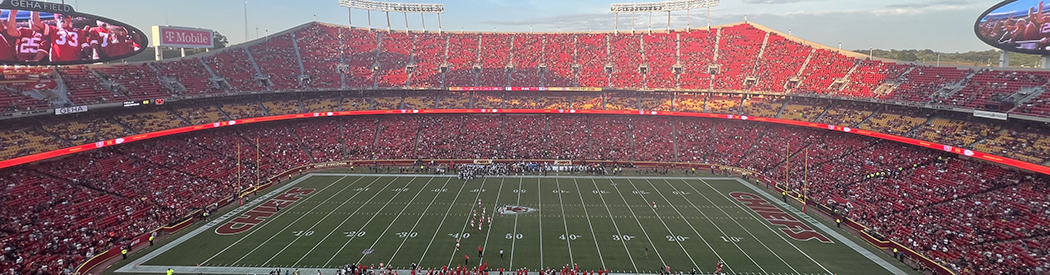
357 149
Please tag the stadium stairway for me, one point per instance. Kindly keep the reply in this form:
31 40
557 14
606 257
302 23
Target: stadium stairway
911 132
109 84
298 58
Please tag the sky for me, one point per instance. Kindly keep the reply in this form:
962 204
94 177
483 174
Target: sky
941 25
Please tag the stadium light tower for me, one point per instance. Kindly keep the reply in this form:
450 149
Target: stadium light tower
668 6
394 7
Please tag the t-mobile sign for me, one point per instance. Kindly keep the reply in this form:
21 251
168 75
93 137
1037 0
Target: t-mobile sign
177 37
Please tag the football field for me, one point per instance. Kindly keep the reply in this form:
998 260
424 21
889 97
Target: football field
322 221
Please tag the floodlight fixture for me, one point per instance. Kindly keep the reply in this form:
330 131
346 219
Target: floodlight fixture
388 7
664 6
668 6
391 6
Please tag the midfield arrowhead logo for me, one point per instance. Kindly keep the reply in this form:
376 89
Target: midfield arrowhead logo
516 210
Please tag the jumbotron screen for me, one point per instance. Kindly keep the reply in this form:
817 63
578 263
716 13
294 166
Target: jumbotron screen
41 33
1016 25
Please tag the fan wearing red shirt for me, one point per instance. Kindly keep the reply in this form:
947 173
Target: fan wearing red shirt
9 32
67 43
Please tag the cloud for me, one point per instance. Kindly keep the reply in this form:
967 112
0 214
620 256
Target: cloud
929 3
941 31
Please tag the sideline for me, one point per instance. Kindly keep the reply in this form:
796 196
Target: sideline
827 230
634 177
134 267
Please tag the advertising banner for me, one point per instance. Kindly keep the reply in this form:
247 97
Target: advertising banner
182 37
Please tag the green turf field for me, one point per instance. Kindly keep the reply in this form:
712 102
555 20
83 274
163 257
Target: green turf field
591 221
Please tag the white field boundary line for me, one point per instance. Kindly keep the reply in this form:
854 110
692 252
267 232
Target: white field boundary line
644 232
719 228
437 231
639 177
827 230
494 211
421 215
306 270
615 226
391 223
473 206
380 211
761 221
564 221
344 220
539 219
318 221
669 231
236 212
275 218
591 226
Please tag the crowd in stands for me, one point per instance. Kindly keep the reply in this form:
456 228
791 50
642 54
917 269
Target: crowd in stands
359 52
660 58
625 55
781 60
88 202
134 81
394 58
192 171
278 59
191 74
1019 140
739 57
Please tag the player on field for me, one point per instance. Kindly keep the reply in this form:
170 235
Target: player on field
654 205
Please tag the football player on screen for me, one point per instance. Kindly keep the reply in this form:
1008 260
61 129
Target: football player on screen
9 34
33 41
67 42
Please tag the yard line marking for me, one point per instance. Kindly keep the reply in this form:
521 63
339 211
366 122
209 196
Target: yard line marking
275 217
472 205
513 241
494 206
614 224
640 194
588 216
764 223
719 228
354 237
540 220
418 220
564 221
438 231
318 221
701 236
391 224
647 237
